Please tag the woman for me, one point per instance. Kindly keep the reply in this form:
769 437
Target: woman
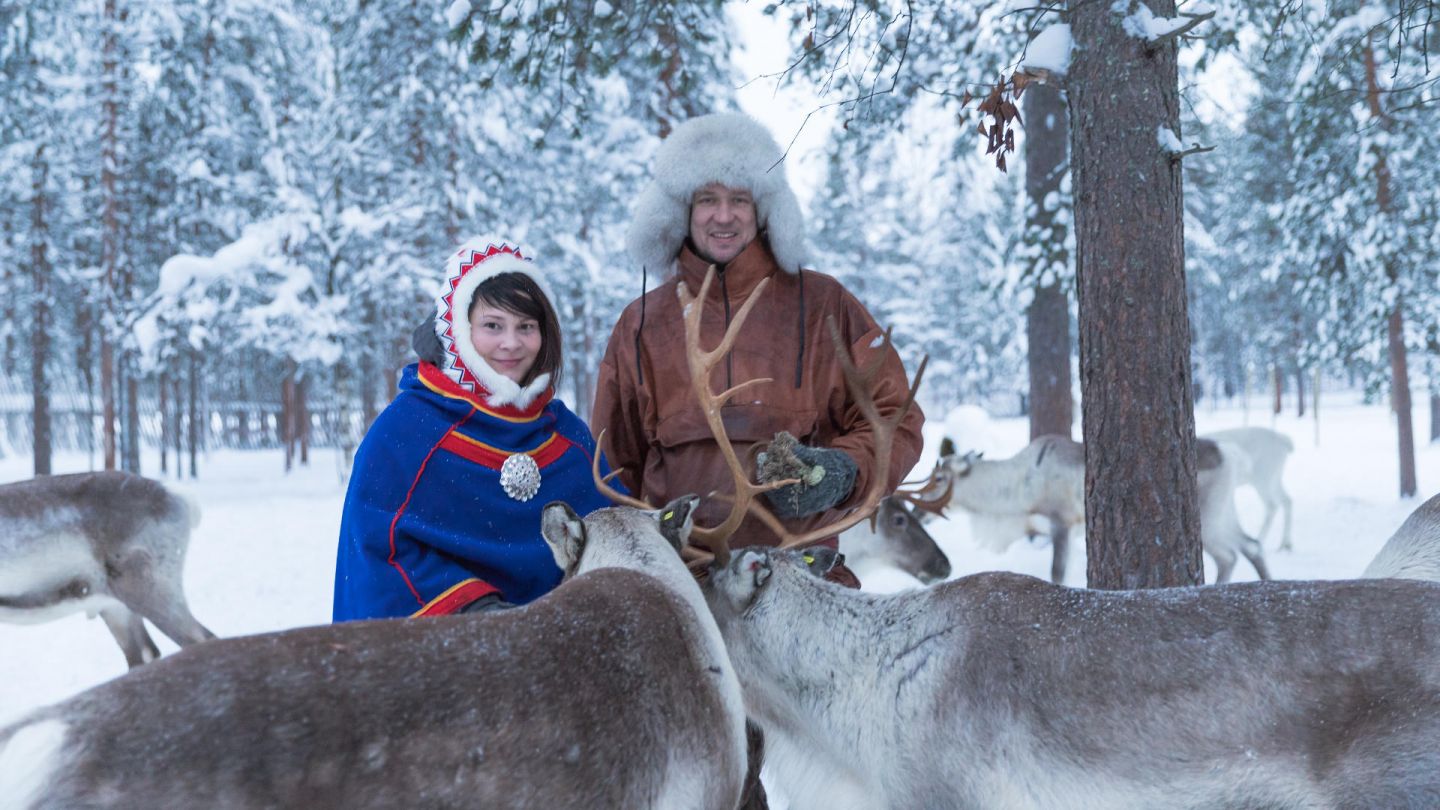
443 510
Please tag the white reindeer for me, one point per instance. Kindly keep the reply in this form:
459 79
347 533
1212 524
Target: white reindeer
614 690
1413 551
1001 690
1264 454
106 542
1044 484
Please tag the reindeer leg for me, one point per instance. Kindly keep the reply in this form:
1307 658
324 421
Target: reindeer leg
129 632
1224 565
1284 499
1269 516
1252 551
1060 545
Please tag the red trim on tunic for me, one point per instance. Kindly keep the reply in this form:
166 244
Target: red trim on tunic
434 379
456 597
406 503
493 457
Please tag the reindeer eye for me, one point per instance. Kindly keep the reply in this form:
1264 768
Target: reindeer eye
898 520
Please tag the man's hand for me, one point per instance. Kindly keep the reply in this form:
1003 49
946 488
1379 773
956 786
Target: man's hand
826 476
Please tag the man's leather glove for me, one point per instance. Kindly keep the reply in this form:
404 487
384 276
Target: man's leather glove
488 603
426 343
826 476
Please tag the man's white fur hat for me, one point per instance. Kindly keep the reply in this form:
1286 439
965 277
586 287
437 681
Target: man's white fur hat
728 148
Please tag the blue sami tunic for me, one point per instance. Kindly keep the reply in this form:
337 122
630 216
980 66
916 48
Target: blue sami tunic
427 528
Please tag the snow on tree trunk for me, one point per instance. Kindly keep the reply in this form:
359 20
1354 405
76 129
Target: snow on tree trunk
1047 321
1143 520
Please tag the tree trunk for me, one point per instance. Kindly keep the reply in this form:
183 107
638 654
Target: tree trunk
178 417
162 405
40 307
1434 418
302 417
287 418
131 460
109 218
193 429
1399 373
1047 321
1400 397
1143 520
1300 392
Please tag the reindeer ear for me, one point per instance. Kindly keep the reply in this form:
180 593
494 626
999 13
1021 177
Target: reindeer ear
564 532
947 447
676 519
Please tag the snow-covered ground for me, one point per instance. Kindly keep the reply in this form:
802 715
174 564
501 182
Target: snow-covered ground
263 556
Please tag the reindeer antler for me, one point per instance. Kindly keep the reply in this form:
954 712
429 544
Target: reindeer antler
918 499
701 363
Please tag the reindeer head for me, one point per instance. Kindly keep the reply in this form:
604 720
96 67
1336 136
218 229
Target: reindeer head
960 465
572 539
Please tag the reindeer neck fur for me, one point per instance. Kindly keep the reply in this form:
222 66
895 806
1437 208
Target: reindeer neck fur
622 542
816 660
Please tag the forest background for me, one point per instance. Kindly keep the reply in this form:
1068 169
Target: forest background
223 218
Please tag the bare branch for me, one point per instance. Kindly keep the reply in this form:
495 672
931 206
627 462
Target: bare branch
1195 21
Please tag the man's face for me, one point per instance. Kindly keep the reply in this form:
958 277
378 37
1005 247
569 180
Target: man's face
722 222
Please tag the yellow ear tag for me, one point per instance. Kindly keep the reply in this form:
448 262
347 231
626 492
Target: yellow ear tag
667 515
808 558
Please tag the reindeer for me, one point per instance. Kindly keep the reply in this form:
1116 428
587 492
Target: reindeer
1413 551
999 689
1046 480
614 690
106 542
896 535
1264 454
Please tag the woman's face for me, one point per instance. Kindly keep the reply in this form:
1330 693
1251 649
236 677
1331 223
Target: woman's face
508 342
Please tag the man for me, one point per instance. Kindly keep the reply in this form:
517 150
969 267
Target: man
719 196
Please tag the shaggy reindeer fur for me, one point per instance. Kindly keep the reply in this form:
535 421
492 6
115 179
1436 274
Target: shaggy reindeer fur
612 691
1000 690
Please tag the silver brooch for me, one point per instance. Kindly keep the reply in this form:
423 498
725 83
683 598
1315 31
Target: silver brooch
520 477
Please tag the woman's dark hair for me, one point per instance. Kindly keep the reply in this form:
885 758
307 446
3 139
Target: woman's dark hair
517 293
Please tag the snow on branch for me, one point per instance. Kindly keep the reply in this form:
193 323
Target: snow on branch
1170 143
1047 56
1155 30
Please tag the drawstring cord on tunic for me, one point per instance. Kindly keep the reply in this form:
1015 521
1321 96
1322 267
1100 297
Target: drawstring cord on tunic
800 326
639 372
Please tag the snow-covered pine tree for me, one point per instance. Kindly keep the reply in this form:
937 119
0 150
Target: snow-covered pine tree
1365 185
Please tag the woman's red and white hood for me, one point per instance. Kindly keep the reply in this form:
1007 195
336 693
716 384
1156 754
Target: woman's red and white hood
477 260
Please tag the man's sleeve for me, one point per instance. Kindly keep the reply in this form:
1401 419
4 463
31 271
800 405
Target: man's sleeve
891 387
617 410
